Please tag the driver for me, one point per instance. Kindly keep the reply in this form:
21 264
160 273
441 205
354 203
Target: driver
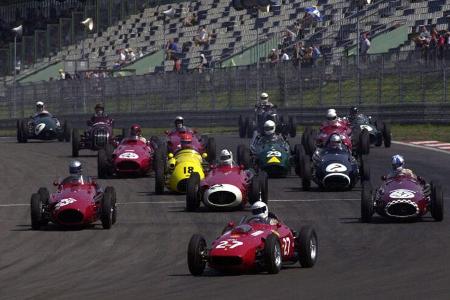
179 124
398 169
136 133
269 134
186 141
99 113
76 174
335 142
353 113
40 108
226 158
264 102
260 210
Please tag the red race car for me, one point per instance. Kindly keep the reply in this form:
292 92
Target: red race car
78 201
358 141
254 245
226 187
402 197
133 156
202 144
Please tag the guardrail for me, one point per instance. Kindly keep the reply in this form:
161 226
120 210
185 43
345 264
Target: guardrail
398 114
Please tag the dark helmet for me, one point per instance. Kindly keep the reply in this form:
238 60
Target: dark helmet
99 108
179 121
75 167
186 140
135 130
353 111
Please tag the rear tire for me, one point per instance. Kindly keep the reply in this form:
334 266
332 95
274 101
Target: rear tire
18 132
437 202
305 174
242 127
243 156
24 130
308 247
106 215
159 171
211 150
272 254
387 135
66 132
75 142
192 192
37 218
195 255
367 207
250 129
364 142
103 164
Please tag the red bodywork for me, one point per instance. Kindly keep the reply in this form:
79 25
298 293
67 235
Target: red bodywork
241 247
226 186
132 156
401 197
341 127
76 202
174 141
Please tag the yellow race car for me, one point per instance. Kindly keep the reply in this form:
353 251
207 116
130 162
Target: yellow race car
173 171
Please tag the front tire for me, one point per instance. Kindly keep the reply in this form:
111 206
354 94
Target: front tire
367 207
103 164
66 132
37 217
387 135
308 247
195 255
437 202
108 208
272 254
75 142
211 149
192 193
159 171
243 156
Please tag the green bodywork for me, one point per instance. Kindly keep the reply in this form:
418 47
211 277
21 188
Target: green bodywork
273 157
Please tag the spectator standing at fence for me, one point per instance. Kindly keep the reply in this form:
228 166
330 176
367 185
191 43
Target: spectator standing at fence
308 58
284 56
139 52
122 57
131 55
298 54
364 46
316 54
172 50
62 74
203 63
273 56
425 35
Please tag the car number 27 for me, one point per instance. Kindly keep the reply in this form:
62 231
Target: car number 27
230 244
286 245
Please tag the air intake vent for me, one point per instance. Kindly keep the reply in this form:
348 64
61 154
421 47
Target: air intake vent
226 260
100 137
222 198
70 216
402 209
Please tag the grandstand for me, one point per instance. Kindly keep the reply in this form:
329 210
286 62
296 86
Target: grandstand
142 24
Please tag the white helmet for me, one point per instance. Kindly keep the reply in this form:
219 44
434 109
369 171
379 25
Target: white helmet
331 114
264 98
39 106
179 122
335 140
260 209
269 127
226 157
397 162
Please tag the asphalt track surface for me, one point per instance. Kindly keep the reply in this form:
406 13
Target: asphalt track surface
144 255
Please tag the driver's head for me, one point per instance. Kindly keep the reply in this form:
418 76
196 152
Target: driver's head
226 157
331 114
269 127
335 141
353 111
39 106
264 98
186 141
260 209
397 162
179 121
75 167
135 130
99 109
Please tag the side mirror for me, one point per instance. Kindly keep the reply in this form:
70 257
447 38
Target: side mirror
204 155
231 224
170 155
242 167
194 131
166 132
384 177
56 182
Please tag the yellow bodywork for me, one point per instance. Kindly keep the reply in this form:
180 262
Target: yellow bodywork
181 166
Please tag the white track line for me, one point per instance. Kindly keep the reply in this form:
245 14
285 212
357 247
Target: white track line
179 202
421 147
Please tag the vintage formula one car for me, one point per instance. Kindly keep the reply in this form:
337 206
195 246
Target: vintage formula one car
43 126
133 156
402 197
254 245
202 144
96 137
78 201
379 131
273 157
248 126
173 171
331 168
226 187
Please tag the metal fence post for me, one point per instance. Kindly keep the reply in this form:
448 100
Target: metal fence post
300 83
422 86
400 86
379 84
340 84
320 87
444 77
358 79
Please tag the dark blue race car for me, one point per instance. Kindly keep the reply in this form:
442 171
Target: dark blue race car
43 126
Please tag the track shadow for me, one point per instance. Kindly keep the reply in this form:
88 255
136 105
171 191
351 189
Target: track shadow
55 227
216 273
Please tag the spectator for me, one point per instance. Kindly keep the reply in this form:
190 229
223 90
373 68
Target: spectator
131 55
122 57
308 58
364 46
298 54
172 50
425 35
203 37
139 52
284 56
177 66
316 54
441 45
116 66
273 56
62 74
203 63
191 20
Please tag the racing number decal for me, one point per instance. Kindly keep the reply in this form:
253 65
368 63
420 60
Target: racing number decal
64 202
366 127
273 153
188 170
286 245
230 244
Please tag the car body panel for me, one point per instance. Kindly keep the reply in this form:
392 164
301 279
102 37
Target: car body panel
98 134
44 127
132 156
180 166
272 157
174 141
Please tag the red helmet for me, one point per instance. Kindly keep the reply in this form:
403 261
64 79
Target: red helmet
186 140
135 130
